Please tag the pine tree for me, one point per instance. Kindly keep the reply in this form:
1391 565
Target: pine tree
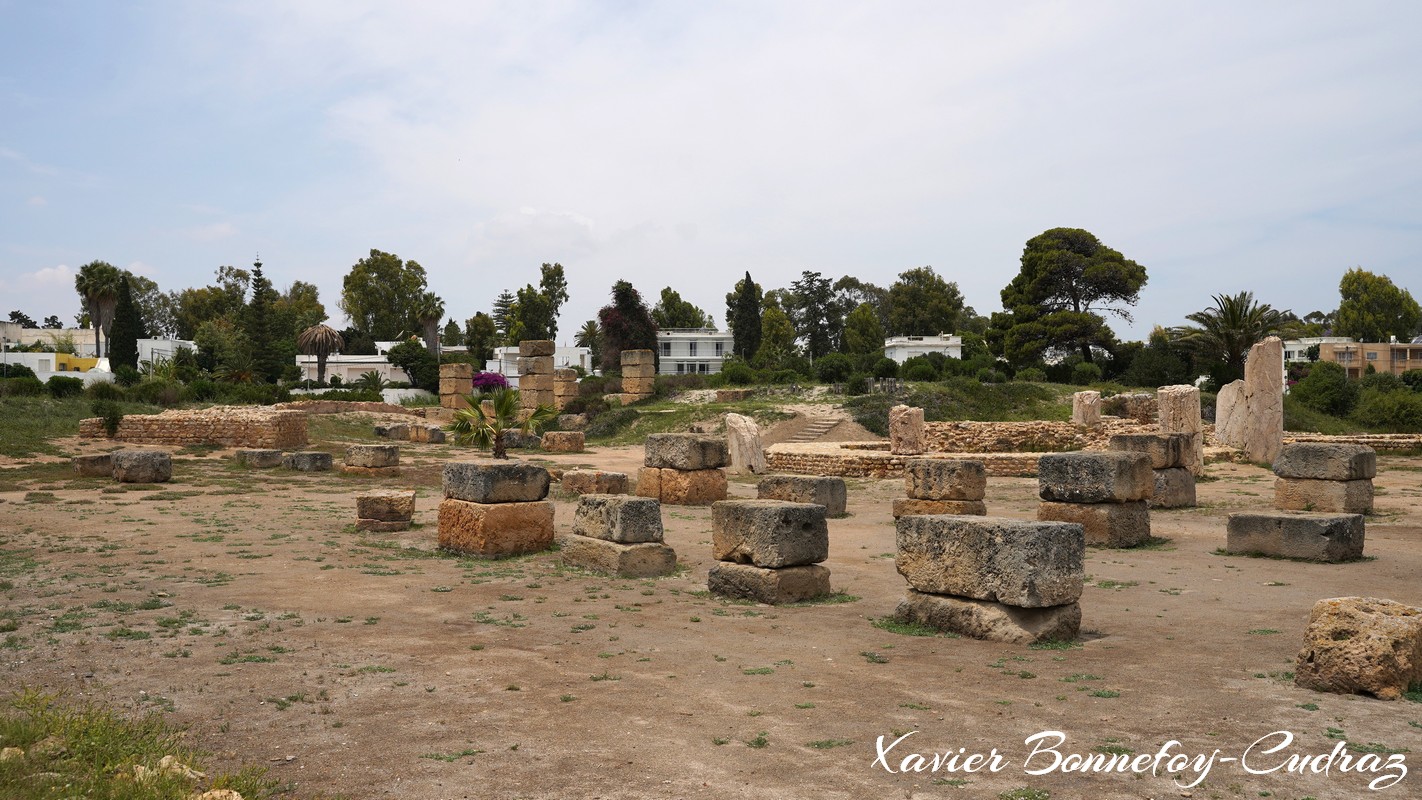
257 324
743 315
126 331
503 305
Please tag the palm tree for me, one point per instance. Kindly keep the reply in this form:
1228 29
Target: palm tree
472 426
98 283
1227 331
429 311
590 336
319 341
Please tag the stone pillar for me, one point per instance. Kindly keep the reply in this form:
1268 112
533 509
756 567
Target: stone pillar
495 509
639 374
565 386
942 486
743 441
1105 493
535 373
1334 478
456 381
620 536
683 469
769 551
1180 413
1086 408
906 430
1174 483
1264 398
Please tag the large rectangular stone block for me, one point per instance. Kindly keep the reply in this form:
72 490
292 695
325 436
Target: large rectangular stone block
645 560
387 506
1338 497
1105 524
566 375
639 371
563 441
497 529
492 481
431 434
636 358
618 518
589 481
537 347
535 365
101 465
307 461
1166 450
769 533
771 586
373 455
828 492
685 451
944 479
1361 645
1309 537
453 401
456 386
675 487
533 398
907 506
536 383
1024 564
1326 462
142 466
1109 477
456 371
1174 488
258 459
982 619
631 385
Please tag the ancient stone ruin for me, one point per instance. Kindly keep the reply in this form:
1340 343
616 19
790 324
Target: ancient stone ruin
563 441
1361 645
142 466
591 481
828 492
1302 536
535 373
992 578
1179 412
639 373
307 461
1086 409
1105 493
747 454
258 459
769 551
565 386
942 486
100 465
495 509
683 469
906 430
1168 453
374 460
385 511
1249 413
620 536
1325 477
412 432
456 382
223 425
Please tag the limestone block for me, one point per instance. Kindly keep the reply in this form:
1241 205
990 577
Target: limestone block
532 398
1105 524
906 430
684 451
387 505
98 466
828 492
944 479
142 466
645 560
982 619
382 525
427 433
536 347
1249 416
456 386
697 487
307 461
1310 537
908 506
515 439
399 432
639 371
536 383
258 459
629 399
1327 462
535 365
563 441
372 455
771 586
618 518
769 533
1174 488
638 385
1109 477
1086 409
1166 450
1024 564
565 375
637 358
744 449
456 371
1179 410
495 529
1361 645
588 481
495 481
453 401
1338 497
1229 413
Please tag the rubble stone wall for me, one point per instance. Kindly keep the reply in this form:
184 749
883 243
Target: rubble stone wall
226 426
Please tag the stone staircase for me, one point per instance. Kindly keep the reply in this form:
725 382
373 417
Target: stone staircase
818 427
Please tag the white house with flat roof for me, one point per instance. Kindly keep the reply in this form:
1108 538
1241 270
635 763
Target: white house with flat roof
685 351
902 348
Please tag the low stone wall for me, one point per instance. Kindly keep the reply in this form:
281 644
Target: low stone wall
229 426
1377 441
1017 437
831 458
341 407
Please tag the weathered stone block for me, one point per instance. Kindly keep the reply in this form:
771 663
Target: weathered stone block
1361 645
307 461
771 586
454 402
96 466
908 507
495 529
456 386
1024 564
142 466
536 347
431 434
645 560
587 481
387 505
1327 462
944 479
618 518
563 441
1310 537
572 422
828 492
743 445
628 399
634 358
1166 450
456 371
1338 497
535 383
258 459
769 533
982 619
1086 408
1104 524
639 370
1109 477
532 398
1179 412
372 455
566 375
675 487
906 435
382 525
684 451
640 386
1174 488
495 481
531 366
399 432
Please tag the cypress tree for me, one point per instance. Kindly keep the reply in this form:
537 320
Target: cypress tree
745 321
126 331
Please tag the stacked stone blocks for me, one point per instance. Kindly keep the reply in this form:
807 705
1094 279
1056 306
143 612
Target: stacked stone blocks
372 460
683 469
828 492
1335 478
769 551
639 374
535 373
495 508
565 386
1169 454
942 486
456 382
618 535
1105 493
385 512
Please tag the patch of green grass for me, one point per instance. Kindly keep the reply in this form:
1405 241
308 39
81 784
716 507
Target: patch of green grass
833 599
1108 693
761 740
826 744
1116 585
874 658
450 758
1264 632
759 671
908 628
1055 644
1025 793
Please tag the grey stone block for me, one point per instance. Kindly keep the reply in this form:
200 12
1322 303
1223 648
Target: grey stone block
142 466
944 479
1166 450
1104 524
771 586
1109 477
1024 564
1326 462
495 481
1174 488
536 347
618 518
769 533
1309 537
642 560
258 459
685 451
307 461
95 466
996 622
373 455
1337 497
828 492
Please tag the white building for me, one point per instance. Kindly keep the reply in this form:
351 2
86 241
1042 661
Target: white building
349 368
82 338
902 348
684 351
1296 350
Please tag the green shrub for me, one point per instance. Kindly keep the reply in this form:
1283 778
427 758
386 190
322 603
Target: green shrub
611 422
961 398
922 371
1398 411
1413 379
126 376
199 391
16 371
738 373
784 377
262 394
834 368
347 395
989 375
858 383
21 387
1326 388
886 368
110 413
104 390
1031 375
1085 374
63 386
158 392
1381 382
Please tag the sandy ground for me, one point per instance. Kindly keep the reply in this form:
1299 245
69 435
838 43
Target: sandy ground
242 604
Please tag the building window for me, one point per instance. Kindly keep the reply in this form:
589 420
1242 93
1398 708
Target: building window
702 368
720 349
666 348
1372 356
680 368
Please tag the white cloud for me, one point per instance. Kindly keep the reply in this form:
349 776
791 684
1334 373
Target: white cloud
59 275
36 200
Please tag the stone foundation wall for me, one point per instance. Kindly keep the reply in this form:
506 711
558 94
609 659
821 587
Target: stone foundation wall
832 459
341 407
1377 441
1018 437
227 426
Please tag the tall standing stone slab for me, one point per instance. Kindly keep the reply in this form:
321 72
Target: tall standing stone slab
1086 408
1254 419
906 432
747 454
1016 563
1179 412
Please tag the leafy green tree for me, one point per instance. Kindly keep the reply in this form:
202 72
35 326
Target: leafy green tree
531 316
673 312
297 308
1156 364
923 304
22 319
1326 388
501 314
626 325
481 336
429 310
225 299
126 331
155 307
812 311
223 347
863 334
553 285
381 294
777 338
1067 277
1225 333
743 310
418 363
452 335
473 426
98 284
590 336
52 323
850 293
1373 309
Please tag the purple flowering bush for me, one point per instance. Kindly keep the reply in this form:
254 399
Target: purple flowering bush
485 382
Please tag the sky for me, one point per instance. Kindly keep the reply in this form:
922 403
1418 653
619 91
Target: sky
1225 146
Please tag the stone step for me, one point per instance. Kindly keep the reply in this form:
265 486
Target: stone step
818 427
